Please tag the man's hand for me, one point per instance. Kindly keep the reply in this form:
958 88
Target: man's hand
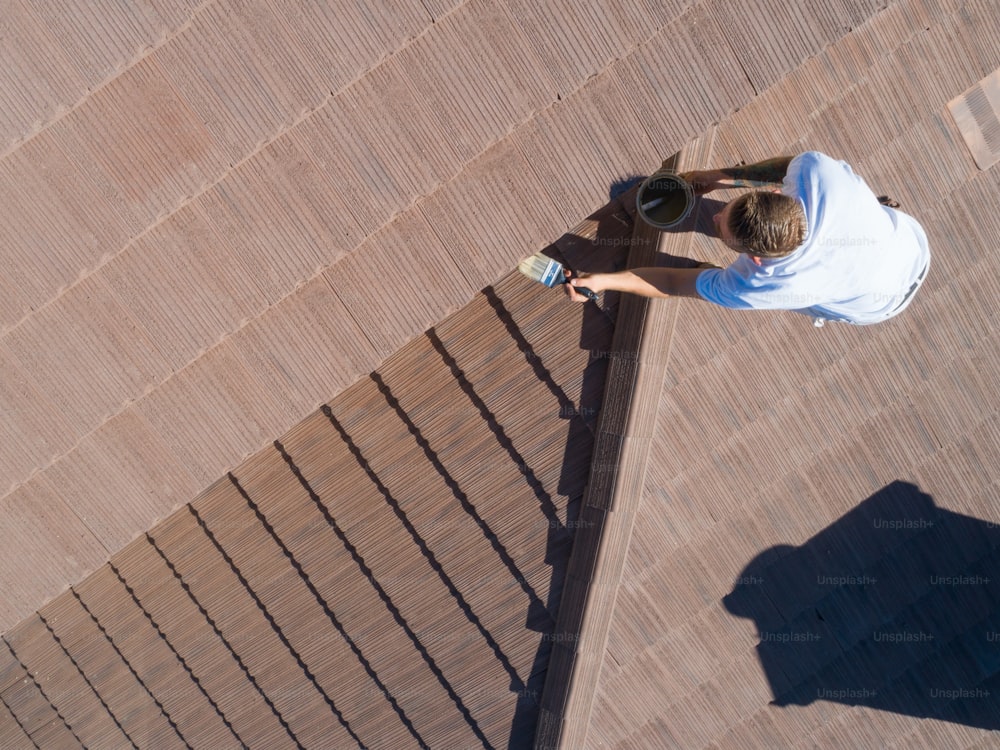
591 281
704 180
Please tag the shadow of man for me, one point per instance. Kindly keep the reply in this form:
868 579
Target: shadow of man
896 606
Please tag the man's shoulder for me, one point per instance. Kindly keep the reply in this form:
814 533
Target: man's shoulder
816 161
814 177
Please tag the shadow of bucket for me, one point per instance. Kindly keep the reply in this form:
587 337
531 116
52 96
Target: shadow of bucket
664 200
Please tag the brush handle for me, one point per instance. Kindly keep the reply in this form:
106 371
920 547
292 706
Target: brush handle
591 295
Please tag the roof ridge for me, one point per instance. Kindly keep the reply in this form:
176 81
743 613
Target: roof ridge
639 354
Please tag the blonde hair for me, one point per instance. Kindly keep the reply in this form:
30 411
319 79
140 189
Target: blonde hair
766 224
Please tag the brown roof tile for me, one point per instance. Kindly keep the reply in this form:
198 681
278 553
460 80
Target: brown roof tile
450 139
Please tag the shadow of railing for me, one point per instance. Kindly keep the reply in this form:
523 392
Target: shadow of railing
895 606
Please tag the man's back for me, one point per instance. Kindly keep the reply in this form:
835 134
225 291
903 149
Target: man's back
857 264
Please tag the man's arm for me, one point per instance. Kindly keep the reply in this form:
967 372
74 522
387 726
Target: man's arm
767 171
657 283
762 173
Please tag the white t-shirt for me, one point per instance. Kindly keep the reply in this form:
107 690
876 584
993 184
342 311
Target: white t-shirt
857 264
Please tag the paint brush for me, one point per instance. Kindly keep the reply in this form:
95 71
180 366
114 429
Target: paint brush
540 267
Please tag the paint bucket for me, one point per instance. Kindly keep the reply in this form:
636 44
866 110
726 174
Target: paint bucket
664 200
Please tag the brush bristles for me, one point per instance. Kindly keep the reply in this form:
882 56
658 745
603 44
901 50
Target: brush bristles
543 269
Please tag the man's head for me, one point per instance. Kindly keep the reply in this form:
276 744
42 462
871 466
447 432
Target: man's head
761 223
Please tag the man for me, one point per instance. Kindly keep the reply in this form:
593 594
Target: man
823 245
